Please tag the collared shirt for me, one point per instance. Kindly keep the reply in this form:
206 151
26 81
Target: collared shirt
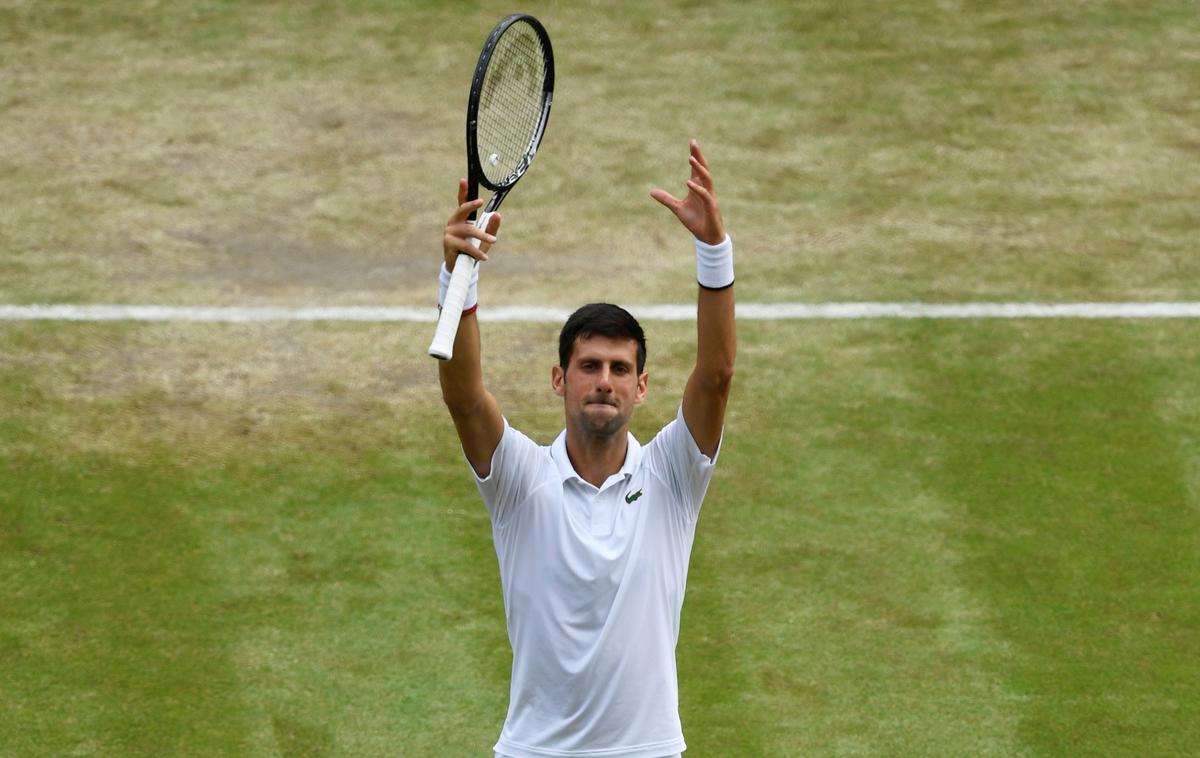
593 581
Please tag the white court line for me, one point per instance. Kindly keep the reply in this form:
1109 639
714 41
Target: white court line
745 311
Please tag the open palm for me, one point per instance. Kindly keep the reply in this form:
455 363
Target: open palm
697 211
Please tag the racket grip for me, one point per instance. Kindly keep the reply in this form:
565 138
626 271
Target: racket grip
442 346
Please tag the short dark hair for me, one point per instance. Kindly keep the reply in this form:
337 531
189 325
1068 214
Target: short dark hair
605 320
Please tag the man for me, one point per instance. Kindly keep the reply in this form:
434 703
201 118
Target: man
593 533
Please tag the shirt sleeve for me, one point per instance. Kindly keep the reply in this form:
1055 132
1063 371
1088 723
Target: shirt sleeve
515 464
678 460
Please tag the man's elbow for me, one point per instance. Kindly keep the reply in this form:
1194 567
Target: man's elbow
717 379
461 405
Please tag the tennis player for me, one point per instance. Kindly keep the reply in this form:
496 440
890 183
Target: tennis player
593 533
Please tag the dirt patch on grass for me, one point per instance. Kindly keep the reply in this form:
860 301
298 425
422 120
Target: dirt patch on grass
262 263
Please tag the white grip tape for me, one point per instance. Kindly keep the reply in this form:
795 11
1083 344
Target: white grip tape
442 346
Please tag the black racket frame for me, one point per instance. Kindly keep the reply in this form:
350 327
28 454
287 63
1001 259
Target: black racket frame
475 172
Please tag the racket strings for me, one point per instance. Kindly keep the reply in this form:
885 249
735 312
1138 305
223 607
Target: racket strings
510 104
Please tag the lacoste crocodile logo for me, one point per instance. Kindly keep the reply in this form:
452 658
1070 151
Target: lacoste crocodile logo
633 496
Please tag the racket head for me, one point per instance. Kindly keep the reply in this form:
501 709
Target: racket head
511 94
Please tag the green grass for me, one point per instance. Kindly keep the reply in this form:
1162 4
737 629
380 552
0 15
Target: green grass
923 538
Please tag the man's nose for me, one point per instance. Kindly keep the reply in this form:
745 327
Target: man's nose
604 380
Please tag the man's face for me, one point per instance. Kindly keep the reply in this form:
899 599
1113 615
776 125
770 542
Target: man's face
601 385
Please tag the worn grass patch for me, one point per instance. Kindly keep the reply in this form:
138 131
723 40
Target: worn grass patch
214 152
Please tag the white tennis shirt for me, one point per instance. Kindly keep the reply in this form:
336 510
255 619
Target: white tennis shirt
593 582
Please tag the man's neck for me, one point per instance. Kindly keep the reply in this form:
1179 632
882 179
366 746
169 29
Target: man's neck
597 458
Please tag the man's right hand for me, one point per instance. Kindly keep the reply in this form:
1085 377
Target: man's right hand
459 231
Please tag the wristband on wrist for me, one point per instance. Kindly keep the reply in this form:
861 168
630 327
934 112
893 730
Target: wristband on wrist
472 301
714 264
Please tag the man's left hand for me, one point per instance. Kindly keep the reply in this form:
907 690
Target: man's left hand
698 211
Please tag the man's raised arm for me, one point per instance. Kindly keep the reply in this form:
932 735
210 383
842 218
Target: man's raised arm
475 411
707 391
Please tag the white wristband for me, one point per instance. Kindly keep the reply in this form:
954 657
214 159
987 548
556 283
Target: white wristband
714 264
472 289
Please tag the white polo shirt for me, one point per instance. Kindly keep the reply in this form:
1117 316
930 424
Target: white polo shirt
593 582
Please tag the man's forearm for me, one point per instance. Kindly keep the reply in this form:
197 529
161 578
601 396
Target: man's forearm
461 377
475 412
716 338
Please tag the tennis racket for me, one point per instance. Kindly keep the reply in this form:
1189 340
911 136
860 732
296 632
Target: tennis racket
506 117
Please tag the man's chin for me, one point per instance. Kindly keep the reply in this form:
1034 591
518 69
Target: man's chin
603 421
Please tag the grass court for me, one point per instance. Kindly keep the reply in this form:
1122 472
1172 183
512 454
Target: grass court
926 538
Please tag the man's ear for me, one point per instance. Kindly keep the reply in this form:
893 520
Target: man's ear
643 387
558 380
